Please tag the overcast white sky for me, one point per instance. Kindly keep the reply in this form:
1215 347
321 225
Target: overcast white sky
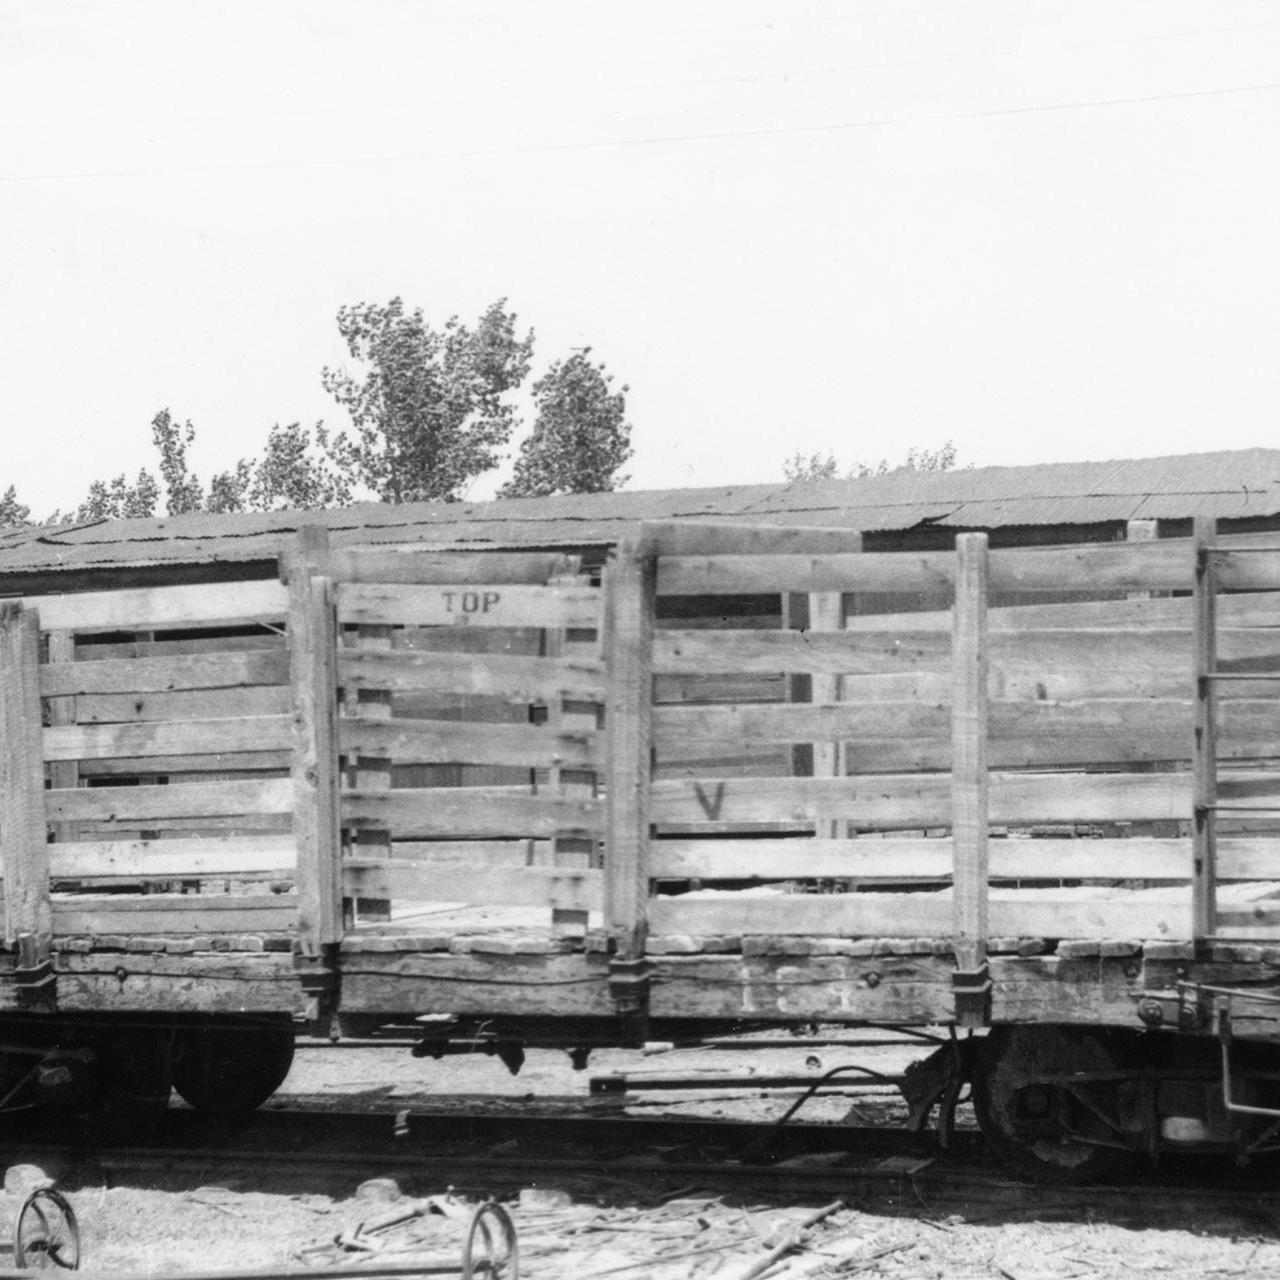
1045 229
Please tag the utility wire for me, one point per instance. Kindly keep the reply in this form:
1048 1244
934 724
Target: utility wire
725 135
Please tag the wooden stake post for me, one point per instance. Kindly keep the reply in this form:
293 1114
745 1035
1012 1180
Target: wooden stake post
969 781
312 661
1204 762
27 907
630 580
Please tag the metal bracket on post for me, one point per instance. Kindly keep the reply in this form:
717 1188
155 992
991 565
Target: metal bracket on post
34 980
318 976
972 991
629 989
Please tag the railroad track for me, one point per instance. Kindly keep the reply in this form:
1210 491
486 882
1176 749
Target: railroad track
638 1159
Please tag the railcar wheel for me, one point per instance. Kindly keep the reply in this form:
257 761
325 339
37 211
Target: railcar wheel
46 1233
134 1083
490 1248
230 1071
1040 1122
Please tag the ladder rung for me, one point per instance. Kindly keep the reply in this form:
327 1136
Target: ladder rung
1241 675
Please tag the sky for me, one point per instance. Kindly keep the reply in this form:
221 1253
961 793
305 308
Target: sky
1045 230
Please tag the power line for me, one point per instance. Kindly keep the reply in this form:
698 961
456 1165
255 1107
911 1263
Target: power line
726 135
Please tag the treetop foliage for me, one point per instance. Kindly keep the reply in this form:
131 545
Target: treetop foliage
580 437
428 411
431 409
823 466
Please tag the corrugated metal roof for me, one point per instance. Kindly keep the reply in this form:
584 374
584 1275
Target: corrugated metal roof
1232 485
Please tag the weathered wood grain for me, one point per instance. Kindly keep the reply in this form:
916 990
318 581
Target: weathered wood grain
165 675
479 605
167 738
903 802
628 644
172 859
468 811
908 915
412 564
154 608
197 704
24 851
517 678
158 804
439 741
403 880
166 913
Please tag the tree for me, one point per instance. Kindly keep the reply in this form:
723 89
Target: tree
580 437
183 490
813 466
291 475
117 499
817 466
428 412
12 512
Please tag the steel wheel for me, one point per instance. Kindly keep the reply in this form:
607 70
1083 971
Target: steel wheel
490 1248
232 1070
1041 1123
46 1234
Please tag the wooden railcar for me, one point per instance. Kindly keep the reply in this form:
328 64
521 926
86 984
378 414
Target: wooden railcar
515 801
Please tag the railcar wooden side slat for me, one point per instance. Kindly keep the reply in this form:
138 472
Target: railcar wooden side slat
165 675
485 605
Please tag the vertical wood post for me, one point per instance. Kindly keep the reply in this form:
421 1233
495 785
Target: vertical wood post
571 849
630 580
370 773
62 711
969 780
23 833
1204 758
312 635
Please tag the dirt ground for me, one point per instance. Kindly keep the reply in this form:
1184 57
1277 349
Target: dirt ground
580 1232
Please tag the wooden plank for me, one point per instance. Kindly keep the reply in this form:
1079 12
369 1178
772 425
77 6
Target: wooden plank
1041 664
905 801
165 859
912 915
187 768
908 858
1204 759
628 637
1091 568
159 804
726 575
969 778
477 853
516 678
410 564
199 704
206 643
366 770
1107 730
1250 610
156 608
1245 571
717 538
402 880
444 742
167 738
481 605
61 678
24 851
62 711
198 913
313 786
468 811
